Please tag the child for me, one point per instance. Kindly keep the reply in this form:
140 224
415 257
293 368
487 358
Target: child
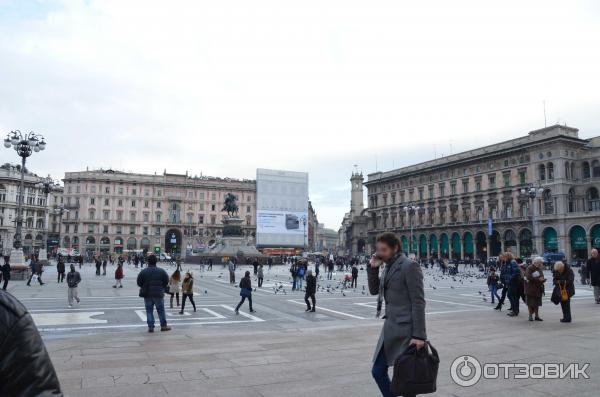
492 283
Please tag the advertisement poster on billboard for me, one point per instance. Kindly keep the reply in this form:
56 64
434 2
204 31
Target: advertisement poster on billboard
284 222
281 208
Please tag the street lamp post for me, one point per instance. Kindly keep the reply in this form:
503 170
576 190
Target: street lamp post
303 219
60 210
410 211
24 145
532 192
47 185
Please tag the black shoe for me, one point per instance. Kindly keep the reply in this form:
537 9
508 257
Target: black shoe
252 311
308 309
538 319
562 320
313 310
499 307
512 314
530 318
180 312
150 330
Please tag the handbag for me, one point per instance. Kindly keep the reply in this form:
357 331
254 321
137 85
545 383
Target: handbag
564 296
415 371
556 297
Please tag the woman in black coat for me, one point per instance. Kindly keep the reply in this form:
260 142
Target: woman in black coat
563 279
245 292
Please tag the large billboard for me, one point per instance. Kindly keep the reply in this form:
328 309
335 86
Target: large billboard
281 208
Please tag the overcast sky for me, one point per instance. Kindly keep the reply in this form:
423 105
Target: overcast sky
224 87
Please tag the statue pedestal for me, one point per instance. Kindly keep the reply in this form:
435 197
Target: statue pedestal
233 243
43 256
17 259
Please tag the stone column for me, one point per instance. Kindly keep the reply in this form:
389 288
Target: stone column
462 249
428 249
518 253
487 249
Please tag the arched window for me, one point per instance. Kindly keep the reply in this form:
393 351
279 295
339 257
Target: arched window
548 202
567 170
550 171
596 169
586 170
593 199
39 223
542 172
571 200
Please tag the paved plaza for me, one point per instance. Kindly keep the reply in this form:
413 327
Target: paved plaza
101 347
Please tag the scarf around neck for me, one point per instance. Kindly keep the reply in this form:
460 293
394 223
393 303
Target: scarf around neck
384 273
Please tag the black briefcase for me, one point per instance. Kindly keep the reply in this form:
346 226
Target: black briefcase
415 371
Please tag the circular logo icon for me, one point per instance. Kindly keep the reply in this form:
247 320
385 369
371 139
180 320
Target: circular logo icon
465 371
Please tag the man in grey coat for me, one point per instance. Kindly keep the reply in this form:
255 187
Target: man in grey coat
401 287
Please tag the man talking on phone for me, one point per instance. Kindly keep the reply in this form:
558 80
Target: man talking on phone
400 285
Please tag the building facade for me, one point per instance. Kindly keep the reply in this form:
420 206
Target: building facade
327 240
530 195
36 217
312 226
112 211
353 234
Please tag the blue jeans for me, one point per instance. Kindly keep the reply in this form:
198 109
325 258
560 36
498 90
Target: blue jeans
494 292
150 303
299 282
381 376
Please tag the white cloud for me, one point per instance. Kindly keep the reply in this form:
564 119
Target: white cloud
225 87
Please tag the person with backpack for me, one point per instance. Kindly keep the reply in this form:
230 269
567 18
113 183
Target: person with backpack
311 290
73 280
245 293
119 276
187 290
